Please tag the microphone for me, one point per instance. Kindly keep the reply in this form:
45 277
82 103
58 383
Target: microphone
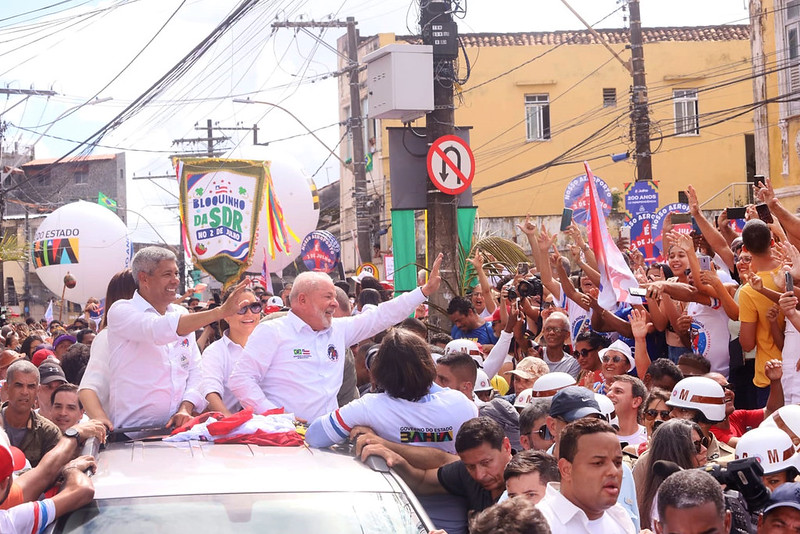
665 468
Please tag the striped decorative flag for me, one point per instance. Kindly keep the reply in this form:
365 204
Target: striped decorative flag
615 275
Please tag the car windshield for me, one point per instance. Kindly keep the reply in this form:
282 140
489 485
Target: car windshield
298 513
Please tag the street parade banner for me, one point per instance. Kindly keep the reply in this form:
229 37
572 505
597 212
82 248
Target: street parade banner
220 204
616 277
641 197
576 197
320 251
642 236
658 223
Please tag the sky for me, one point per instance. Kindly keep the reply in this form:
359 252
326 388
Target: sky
116 50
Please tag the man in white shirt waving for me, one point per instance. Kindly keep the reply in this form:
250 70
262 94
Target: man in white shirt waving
154 358
296 362
590 462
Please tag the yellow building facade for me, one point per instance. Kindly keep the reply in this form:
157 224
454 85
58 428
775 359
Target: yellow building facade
776 82
549 100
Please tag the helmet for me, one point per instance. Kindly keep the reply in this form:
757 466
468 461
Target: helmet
771 446
482 382
467 346
607 408
551 383
500 385
524 398
786 418
701 394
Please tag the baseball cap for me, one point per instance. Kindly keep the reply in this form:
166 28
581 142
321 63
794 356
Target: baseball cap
11 458
787 494
41 355
574 402
64 337
50 372
624 348
273 305
525 367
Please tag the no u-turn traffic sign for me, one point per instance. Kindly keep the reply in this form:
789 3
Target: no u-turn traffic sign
451 165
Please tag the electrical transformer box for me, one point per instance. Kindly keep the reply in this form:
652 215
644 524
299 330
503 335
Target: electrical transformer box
400 81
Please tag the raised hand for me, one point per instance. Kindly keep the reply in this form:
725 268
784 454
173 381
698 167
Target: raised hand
639 324
694 205
527 228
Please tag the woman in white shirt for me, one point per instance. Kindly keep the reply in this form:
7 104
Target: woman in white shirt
220 357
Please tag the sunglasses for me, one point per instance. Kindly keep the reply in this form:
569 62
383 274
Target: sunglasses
703 443
728 387
652 414
615 359
544 433
582 353
743 259
254 308
555 329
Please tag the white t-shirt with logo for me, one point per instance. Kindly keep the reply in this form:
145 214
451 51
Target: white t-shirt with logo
640 436
710 334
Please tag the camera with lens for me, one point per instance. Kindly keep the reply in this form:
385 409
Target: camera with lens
745 493
526 288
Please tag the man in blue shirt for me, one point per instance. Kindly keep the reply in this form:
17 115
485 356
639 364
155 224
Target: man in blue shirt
467 324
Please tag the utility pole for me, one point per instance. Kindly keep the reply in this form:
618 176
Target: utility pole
640 114
760 124
442 227
356 126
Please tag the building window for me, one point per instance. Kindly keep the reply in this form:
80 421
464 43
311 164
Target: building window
44 177
81 176
537 117
609 97
792 42
687 121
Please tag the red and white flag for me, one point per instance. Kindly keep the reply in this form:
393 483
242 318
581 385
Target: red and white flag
615 275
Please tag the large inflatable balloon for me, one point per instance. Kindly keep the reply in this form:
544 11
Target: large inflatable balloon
300 203
85 240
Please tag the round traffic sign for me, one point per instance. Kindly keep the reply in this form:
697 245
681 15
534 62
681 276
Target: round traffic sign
451 165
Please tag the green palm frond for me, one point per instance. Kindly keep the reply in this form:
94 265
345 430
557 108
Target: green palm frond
506 253
10 248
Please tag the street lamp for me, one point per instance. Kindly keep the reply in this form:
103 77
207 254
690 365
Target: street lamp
292 115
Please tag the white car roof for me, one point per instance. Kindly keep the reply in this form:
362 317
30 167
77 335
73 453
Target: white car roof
148 469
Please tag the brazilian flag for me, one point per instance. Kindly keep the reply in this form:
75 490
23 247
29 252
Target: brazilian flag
368 161
107 202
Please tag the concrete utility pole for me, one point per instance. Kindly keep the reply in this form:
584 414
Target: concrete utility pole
356 125
760 124
442 222
640 115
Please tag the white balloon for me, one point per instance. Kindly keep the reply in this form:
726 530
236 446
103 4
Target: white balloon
293 189
86 240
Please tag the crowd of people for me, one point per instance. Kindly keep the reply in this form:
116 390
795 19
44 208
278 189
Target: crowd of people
540 411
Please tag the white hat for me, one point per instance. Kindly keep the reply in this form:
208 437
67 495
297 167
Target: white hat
547 385
467 346
787 418
701 394
622 347
607 408
482 382
771 446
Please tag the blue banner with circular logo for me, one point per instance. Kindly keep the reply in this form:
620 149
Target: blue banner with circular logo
576 197
320 251
659 217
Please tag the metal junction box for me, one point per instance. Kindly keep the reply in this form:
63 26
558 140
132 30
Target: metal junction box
400 81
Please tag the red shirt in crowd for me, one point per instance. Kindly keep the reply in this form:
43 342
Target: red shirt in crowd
740 422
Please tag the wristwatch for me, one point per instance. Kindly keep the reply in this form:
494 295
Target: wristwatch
71 432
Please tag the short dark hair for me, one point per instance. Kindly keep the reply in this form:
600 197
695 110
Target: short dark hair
440 337
756 236
461 305
532 412
403 366
369 296
74 362
83 333
568 445
513 516
638 389
412 324
370 282
461 364
477 431
65 387
693 359
664 367
688 489
531 461
595 340
656 394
